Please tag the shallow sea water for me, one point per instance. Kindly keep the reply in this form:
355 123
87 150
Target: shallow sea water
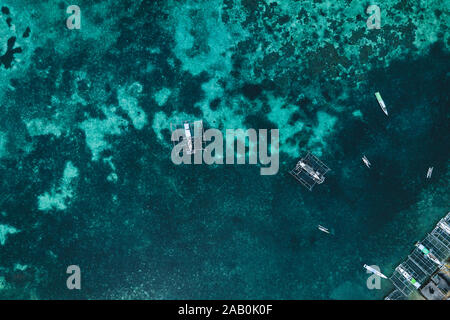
85 147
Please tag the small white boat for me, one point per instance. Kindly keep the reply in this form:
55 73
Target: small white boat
408 277
323 229
428 254
444 227
187 133
429 172
434 259
378 273
381 102
366 161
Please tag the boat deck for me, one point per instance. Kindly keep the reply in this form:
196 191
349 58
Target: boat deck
192 134
305 175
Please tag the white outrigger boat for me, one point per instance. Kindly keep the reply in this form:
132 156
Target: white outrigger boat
366 161
429 172
428 254
444 227
408 277
381 102
323 229
375 271
187 132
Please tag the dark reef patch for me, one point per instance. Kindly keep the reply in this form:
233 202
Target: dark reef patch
214 104
26 33
258 121
191 92
7 59
252 91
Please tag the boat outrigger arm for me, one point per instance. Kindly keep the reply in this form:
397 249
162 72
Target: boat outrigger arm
381 102
375 271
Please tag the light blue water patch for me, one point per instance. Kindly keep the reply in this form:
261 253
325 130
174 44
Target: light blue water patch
3 141
96 130
324 128
162 95
357 114
128 101
57 197
6 230
37 127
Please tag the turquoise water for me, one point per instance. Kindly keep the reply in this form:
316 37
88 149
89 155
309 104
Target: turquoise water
85 146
